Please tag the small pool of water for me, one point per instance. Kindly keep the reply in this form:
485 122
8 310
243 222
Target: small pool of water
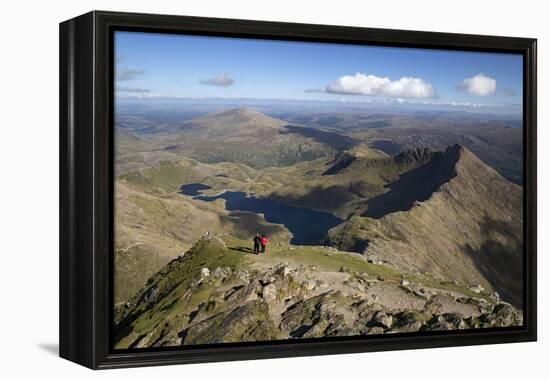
193 189
308 227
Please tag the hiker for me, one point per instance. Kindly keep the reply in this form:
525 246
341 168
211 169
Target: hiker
263 241
257 243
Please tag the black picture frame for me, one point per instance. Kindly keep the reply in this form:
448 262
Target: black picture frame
86 186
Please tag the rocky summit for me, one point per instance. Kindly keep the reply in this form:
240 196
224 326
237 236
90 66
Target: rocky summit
216 292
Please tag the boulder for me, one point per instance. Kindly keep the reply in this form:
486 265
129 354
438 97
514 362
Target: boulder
507 315
269 293
205 272
476 288
283 270
382 319
309 285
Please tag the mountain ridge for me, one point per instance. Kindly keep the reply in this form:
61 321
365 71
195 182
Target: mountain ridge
214 293
469 228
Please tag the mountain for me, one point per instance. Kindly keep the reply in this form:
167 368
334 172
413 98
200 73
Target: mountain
499 146
414 157
344 182
246 136
454 217
217 292
235 124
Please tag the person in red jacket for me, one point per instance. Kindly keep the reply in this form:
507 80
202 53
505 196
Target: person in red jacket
257 244
263 241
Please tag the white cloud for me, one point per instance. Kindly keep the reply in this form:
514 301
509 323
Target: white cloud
479 85
362 84
223 80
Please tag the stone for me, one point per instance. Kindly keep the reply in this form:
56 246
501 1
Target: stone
267 279
243 275
283 271
309 285
476 288
507 315
205 272
218 272
375 330
151 294
382 319
405 282
269 293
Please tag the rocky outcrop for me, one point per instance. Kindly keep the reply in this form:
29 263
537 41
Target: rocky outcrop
255 302
414 157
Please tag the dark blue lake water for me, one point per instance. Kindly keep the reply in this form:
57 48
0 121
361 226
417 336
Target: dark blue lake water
193 189
308 227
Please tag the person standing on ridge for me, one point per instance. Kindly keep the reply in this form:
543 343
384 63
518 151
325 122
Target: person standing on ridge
263 241
257 243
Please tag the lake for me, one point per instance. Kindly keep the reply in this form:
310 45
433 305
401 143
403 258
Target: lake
193 189
308 227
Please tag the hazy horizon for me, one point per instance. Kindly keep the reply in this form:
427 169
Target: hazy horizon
172 67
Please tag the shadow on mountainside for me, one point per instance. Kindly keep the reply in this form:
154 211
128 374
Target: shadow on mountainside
501 263
241 249
415 185
332 139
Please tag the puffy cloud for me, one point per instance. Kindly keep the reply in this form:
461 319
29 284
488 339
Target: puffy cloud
128 74
223 80
362 84
479 85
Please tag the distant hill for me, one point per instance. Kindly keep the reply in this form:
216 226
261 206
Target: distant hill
245 136
453 216
234 124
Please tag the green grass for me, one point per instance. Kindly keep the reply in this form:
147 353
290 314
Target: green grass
328 260
172 283
167 176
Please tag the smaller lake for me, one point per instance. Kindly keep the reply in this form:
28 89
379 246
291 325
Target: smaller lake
308 227
193 189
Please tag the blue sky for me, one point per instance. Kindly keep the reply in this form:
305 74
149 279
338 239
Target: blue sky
158 65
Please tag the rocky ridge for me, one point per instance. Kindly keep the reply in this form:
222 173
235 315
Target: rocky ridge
253 299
